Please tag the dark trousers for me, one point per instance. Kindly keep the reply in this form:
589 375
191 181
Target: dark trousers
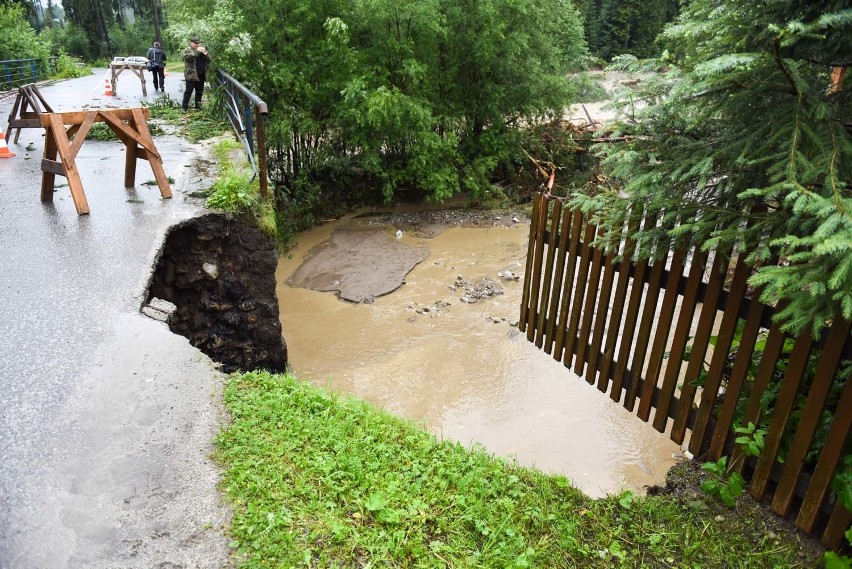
159 78
193 85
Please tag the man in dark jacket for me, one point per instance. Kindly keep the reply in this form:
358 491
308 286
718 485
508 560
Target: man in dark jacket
157 66
195 63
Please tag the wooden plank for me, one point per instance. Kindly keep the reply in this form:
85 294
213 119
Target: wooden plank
592 285
23 123
531 240
721 351
601 315
838 523
52 167
10 126
80 132
63 146
126 133
48 177
681 337
829 458
643 333
568 285
736 381
614 330
579 293
780 414
77 117
700 344
772 348
130 152
555 216
628 333
152 156
558 291
535 286
829 361
661 335
36 95
22 111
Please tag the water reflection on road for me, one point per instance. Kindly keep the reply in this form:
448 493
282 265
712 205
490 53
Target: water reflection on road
463 370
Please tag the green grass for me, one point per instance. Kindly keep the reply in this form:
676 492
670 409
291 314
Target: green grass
318 480
236 190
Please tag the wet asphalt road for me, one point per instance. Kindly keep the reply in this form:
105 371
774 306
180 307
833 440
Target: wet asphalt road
106 418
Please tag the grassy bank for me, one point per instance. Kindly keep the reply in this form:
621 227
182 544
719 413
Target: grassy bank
318 480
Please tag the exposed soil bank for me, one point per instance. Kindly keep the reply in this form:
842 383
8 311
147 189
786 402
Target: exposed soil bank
220 274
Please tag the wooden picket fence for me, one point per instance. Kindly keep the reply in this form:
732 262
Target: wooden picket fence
685 338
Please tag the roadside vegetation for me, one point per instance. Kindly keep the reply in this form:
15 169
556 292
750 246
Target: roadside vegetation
738 132
22 42
320 480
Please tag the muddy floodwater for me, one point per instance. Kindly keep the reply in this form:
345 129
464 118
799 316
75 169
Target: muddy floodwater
439 350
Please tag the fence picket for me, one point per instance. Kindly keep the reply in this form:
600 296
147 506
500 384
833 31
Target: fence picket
681 337
579 292
838 523
576 228
832 450
614 328
829 360
736 380
724 340
589 309
700 344
778 420
600 320
536 268
548 272
558 290
533 238
649 313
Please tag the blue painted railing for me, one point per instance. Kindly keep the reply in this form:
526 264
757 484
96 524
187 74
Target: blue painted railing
17 72
245 112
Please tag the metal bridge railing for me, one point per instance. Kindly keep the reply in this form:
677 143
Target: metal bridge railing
245 112
17 72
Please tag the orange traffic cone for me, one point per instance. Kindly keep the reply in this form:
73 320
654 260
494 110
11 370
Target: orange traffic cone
107 88
4 148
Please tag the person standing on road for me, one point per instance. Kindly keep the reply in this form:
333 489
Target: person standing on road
195 63
157 66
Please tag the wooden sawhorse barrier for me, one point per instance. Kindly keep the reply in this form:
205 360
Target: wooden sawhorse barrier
115 69
134 134
20 117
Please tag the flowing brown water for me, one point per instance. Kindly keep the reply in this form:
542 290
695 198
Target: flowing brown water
463 370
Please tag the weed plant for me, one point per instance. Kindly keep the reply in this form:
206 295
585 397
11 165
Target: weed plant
319 480
237 190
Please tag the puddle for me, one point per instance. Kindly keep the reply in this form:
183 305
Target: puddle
461 369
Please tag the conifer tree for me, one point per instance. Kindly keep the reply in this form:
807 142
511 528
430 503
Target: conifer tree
748 119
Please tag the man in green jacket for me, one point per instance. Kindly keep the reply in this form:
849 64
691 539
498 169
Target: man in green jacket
195 62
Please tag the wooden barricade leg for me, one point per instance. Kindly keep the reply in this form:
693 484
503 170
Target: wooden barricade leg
131 155
152 155
48 176
12 114
69 165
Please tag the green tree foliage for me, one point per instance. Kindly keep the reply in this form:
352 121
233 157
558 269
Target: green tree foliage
20 40
30 10
617 27
743 117
104 28
422 95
